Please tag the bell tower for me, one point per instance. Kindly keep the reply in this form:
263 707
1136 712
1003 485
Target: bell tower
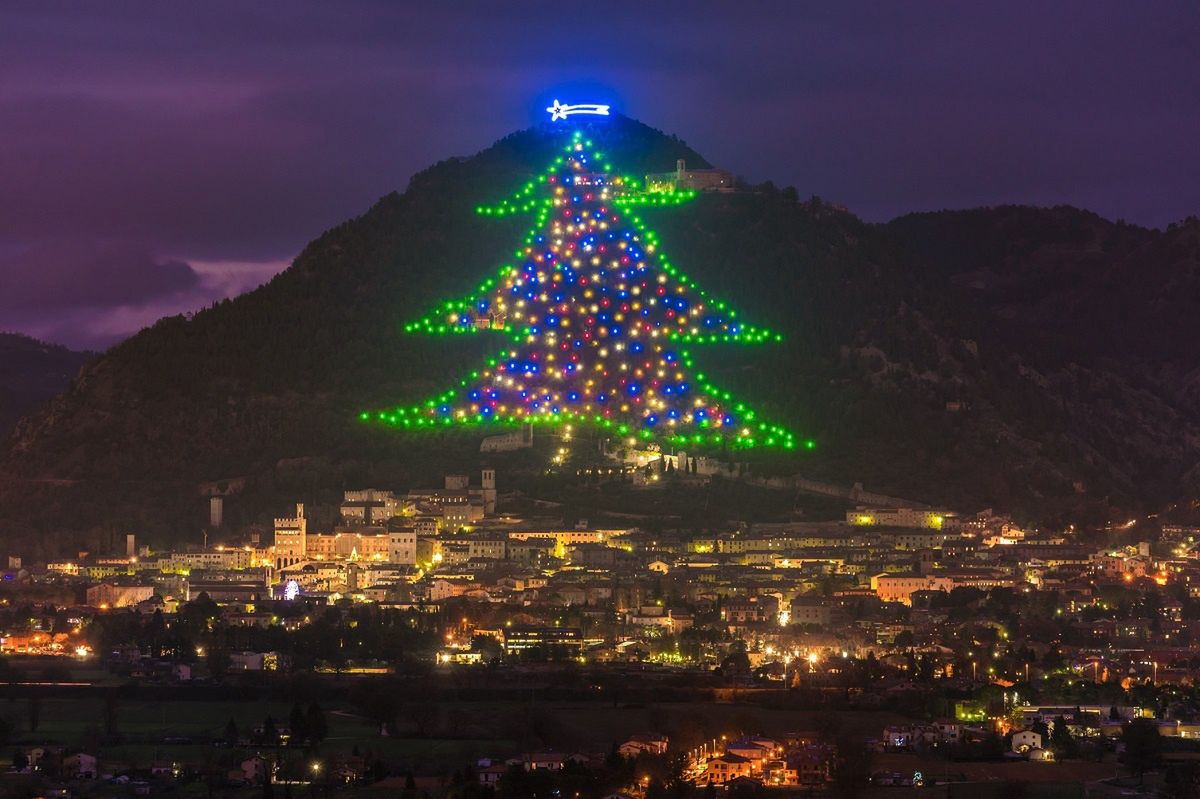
488 478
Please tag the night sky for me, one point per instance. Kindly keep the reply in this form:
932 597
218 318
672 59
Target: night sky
156 156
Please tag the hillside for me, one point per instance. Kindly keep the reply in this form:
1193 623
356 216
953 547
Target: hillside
31 373
1061 338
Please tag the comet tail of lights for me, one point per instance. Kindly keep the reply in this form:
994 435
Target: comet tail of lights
559 111
600 323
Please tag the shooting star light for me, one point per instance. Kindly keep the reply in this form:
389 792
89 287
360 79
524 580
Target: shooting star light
559 111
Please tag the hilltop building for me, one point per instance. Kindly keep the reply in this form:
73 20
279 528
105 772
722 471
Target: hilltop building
684 179
508 442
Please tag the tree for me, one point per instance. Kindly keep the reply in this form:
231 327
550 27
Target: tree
736 664
1183 781
423 715
598 318
110 714
231 732
270 732
488 647
1143 746
33 710
318 727
380 706
217 660
828 726
851 769
992 746
1061 740
298 725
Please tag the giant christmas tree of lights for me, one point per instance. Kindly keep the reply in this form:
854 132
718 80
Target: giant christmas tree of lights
599 321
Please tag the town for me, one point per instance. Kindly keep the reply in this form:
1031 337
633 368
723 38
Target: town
965 638
662 401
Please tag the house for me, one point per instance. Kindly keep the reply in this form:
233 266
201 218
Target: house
810 610
347 769
810 766
770 744
644 742
948 730
1041 755
753 752
110 595
492 773
720 770
162 768
740 610
897 737
778 772
751 785
549 761
254 770
246 661
1026 740
80 766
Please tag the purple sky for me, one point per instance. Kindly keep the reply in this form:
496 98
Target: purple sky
156 156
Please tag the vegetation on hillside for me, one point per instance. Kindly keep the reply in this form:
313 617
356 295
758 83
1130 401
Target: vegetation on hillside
1028 359
31 372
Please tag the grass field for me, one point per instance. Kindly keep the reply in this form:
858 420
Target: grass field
462 733
466 731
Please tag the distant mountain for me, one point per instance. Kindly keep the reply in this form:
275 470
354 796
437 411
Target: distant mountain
32 372
1034 360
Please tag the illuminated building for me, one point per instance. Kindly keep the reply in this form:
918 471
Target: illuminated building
107 595
899 587
290 539
898 517
234 558
550 643
684 179
369 506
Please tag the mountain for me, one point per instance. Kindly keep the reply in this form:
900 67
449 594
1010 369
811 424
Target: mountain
31 372
1034 360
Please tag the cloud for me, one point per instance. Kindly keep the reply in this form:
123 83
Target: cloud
59 275
231 133
90 296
